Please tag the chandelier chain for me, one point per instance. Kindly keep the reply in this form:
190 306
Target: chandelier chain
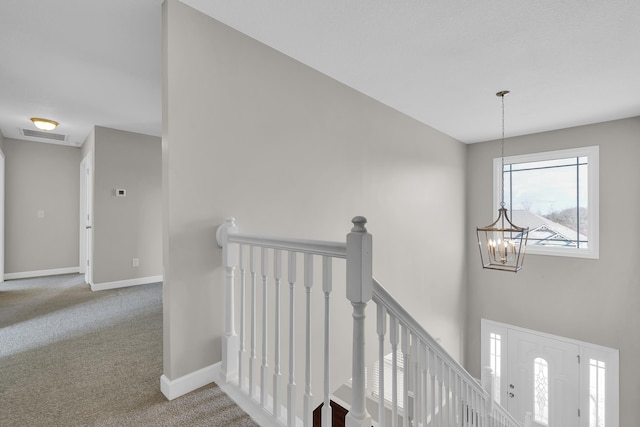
502 204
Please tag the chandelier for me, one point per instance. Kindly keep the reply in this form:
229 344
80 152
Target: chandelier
502 244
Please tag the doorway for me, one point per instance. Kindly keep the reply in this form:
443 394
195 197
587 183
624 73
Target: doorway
561 382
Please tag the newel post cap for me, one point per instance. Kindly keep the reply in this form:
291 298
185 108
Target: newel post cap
225 229
359 224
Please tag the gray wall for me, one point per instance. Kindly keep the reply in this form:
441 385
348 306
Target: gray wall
41 177
252 133
126 227
589 300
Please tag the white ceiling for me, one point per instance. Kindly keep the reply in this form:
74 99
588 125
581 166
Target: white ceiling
81 63
567 63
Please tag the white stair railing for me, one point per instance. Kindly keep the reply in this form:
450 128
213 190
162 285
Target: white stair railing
442 392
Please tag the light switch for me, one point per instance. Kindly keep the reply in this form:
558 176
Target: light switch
40 214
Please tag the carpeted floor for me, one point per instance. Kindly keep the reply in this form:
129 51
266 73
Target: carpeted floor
73 357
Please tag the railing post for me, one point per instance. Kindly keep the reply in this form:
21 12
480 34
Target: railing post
229 262
359 291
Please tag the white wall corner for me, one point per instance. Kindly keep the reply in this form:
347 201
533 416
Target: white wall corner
125 283
187 383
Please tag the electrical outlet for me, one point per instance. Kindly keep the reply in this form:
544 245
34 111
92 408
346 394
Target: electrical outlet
135 262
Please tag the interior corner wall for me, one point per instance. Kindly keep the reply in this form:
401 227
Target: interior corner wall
131 226
41 206
585 299
251 133
89 144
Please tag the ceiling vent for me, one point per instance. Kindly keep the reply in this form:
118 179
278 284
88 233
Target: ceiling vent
44 135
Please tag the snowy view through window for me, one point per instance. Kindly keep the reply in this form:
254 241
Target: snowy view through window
552 196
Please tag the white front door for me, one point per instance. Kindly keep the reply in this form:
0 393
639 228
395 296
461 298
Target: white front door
562 382
542 378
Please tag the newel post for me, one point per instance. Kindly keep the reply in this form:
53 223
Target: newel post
229 262
359 289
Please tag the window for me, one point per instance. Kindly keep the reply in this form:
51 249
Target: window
596 393
555 194
541 391
388 377
495 358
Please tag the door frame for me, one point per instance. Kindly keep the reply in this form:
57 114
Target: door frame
586 350
86 217
2 196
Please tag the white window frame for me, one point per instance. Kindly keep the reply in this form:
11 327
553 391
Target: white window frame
593 154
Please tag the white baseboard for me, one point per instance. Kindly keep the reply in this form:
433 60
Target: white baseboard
40 273
187 383
125 283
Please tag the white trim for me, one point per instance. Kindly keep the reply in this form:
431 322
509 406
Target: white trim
187 383
40 273
125 283
2 205
593 154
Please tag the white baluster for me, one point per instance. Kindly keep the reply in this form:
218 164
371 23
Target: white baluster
291 388
265 366
479 408
229 368
382 330
404 340
393 338
472 407
425 369
467 404
308 283
415 374
327 284
359 291
456 404
241 352
252 346
487 378
474 399
481 411
439 374
277 275
432 374
447 393
450 398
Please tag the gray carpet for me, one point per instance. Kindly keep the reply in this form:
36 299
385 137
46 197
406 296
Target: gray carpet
72 357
